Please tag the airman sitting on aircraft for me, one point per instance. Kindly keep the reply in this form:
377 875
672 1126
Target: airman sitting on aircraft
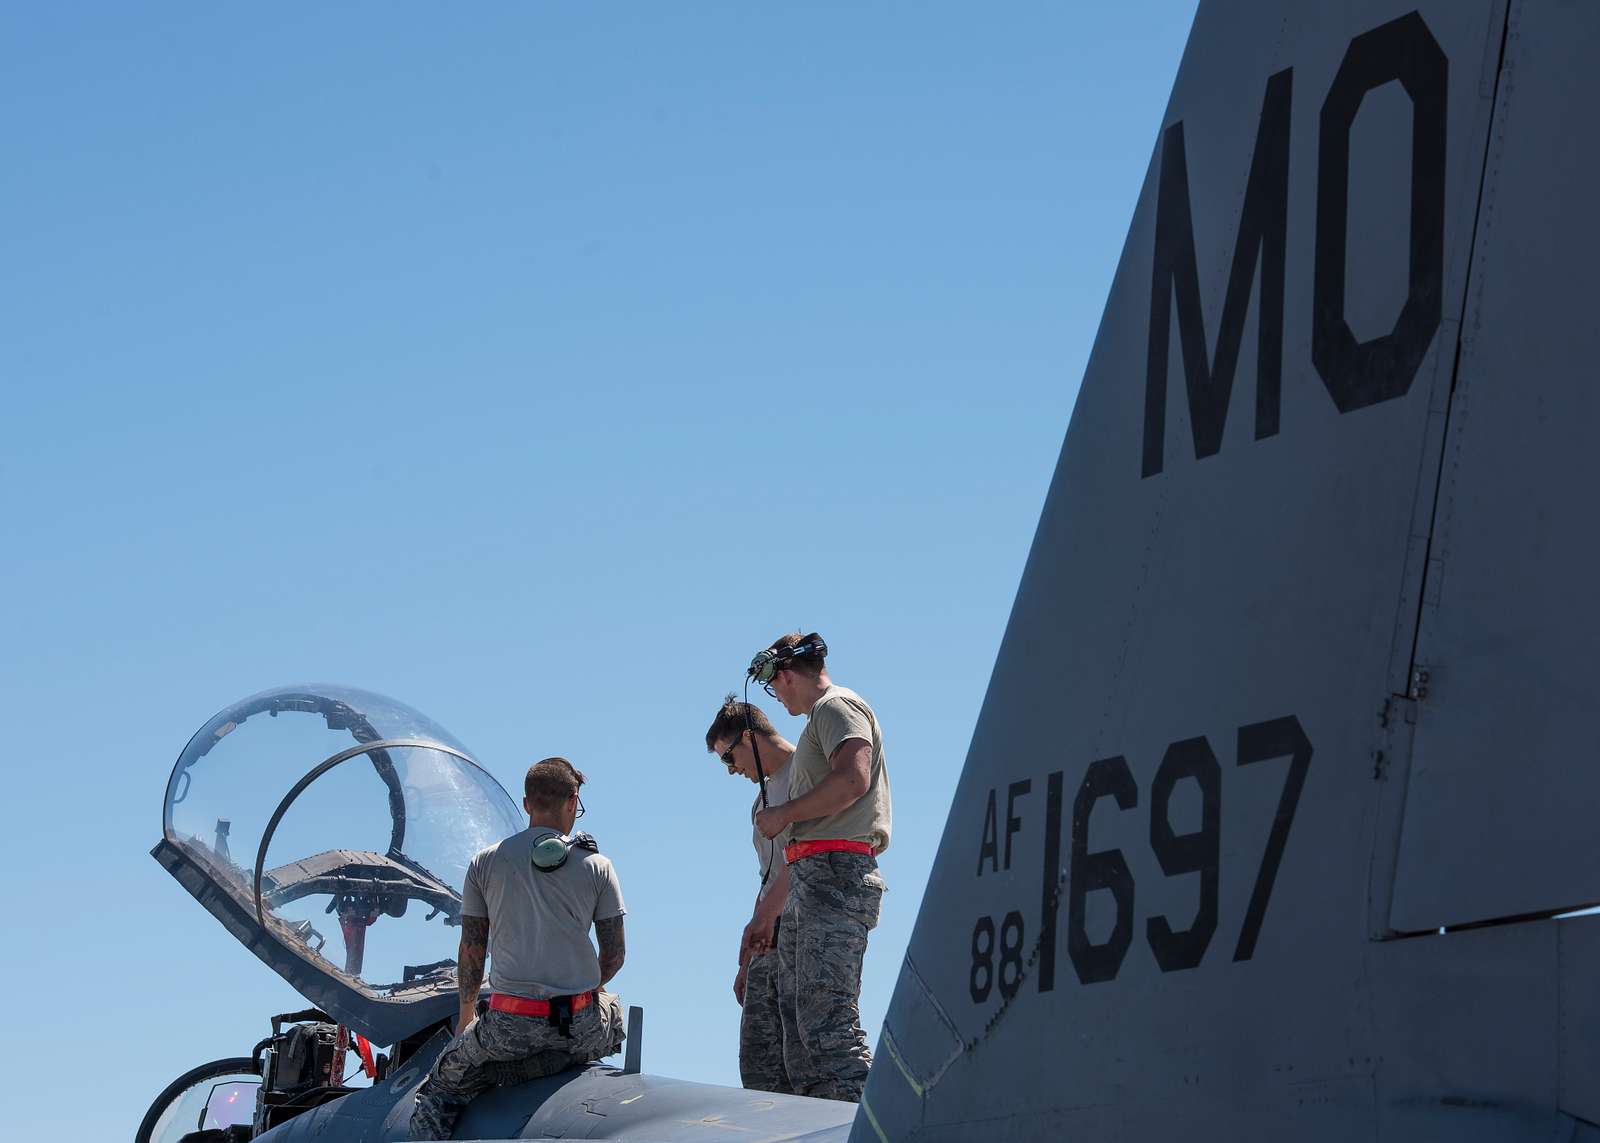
744 739
546 1012
838 818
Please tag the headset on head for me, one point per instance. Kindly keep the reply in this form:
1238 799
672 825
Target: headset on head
551 853
769 662
763 667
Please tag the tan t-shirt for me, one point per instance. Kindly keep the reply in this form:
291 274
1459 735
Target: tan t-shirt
838 715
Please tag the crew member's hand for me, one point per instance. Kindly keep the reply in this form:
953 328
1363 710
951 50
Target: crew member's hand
469 1013
770 821
758 935
738 987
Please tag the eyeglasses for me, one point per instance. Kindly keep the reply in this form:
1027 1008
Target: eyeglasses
579 814
727 755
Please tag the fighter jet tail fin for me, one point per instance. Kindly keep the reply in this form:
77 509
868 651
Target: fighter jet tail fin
1287 759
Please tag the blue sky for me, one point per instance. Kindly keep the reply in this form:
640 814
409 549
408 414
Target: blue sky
535 365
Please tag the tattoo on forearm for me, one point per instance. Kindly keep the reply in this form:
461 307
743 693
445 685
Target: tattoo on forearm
613 948
474 949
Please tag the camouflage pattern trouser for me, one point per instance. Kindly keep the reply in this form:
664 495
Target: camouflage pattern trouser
833 905
501 1048
768 1011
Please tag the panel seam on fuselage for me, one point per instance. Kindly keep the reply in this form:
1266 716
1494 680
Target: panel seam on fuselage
1461 333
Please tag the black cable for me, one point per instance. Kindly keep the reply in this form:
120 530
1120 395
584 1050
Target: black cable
749 724
761 780
255 1052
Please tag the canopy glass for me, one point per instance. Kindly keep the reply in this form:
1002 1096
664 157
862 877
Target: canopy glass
330 829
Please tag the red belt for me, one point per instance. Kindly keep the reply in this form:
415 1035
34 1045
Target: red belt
522 1006
795 850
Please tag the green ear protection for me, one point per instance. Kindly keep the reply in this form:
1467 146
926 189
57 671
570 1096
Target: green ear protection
769 662
551 853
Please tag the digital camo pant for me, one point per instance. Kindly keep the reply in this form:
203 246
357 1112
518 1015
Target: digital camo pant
768 1010
833 905
500 1048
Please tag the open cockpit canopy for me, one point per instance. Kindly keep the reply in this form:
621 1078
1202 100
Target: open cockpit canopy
329 829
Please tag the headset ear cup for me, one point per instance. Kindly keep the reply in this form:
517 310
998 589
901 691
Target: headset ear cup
764 666
550 853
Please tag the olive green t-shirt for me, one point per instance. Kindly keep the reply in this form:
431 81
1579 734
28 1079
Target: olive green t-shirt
838 715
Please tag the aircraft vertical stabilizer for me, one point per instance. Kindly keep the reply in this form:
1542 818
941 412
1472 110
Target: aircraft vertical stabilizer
1287 762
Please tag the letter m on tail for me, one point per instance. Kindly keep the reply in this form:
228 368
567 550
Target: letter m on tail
1262 226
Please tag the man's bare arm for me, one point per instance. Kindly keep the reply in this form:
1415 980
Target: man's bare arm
469 966
849 777
613 948
758 933
770 907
